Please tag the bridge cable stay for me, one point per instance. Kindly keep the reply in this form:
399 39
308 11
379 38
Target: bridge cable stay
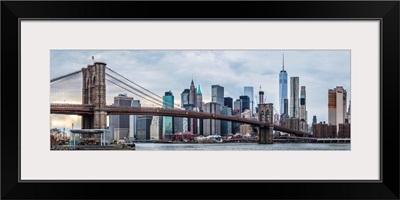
64 76
132 87
161 99
138 85
67 89
133 92
148 96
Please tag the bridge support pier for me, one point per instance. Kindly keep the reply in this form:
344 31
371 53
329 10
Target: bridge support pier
94 93
265 114
87 121
265 135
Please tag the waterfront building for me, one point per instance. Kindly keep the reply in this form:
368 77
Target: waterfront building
344 130
294 97
168 102
303 112
212 126
248 90
292 123
143 127
282 86
156 128
337 105
217 94
323 130
228 102
245 102
246 129
348 114
119 124
133 120
226 126
178 125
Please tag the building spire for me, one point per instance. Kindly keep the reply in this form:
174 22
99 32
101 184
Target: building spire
283 62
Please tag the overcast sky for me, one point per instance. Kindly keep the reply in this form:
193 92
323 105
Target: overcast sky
160 71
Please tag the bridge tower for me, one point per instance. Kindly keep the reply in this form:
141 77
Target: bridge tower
94 93
265 114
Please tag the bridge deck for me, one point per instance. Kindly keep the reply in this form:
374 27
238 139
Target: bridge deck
80 109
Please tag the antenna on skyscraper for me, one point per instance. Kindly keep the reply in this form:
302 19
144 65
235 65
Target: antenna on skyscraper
283 61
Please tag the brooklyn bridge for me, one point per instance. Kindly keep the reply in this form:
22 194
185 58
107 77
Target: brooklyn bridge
91 102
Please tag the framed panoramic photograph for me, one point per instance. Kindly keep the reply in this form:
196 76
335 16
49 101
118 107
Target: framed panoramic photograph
115 96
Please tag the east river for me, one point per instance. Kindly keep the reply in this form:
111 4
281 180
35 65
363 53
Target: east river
243 147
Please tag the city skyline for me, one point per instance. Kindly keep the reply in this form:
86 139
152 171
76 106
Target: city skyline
173 70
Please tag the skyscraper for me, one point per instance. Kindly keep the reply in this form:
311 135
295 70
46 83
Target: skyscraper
119 124
237 105
248 90
192 94
133 120
199 107
337 104
303 112
294 97
185 97
282 86
199 99
156 128
245 100
212 126
226 126
217 94
303 103
228 102
143 127
168 102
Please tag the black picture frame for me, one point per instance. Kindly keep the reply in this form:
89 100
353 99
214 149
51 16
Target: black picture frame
386 11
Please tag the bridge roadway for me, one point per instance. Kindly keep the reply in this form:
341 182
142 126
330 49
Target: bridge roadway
82 109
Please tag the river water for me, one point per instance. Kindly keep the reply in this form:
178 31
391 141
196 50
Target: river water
243 147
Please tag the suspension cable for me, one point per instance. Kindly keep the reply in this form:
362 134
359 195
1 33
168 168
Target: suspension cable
158 103
64 76
138 85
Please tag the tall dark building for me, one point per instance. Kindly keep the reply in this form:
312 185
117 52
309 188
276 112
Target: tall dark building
212 126
185 97
143 127
245 102
168 123
228 102
226 126
217 94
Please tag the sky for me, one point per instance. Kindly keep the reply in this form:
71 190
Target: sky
161 71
